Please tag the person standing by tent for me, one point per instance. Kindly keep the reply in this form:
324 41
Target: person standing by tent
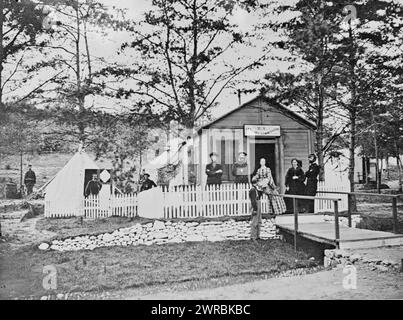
29 179
93 186
214 170
147 183
240 169
311 183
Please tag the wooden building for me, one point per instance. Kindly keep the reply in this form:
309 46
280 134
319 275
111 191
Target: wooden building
261 128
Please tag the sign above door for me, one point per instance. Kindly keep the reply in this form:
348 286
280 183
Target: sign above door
261 131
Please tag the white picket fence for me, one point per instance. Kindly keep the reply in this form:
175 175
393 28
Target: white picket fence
186 202
95 207
337 186
209 201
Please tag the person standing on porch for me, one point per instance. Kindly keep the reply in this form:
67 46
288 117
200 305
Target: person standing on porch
214 170
266 183
294 184
256 221
311 183
240 169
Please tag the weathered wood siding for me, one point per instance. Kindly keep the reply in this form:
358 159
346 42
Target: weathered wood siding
297 137
259 112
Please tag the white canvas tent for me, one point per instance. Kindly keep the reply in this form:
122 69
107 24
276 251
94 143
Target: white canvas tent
64 194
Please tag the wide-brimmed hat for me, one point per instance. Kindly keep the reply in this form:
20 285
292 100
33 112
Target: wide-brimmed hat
213 154
242 152
146 174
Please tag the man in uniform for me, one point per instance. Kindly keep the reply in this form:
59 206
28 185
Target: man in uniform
93 186
147 183
29 179
214 170
240 169
311 182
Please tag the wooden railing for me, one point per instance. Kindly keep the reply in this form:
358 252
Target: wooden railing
335 208
394 198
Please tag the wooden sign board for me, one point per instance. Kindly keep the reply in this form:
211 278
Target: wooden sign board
261 131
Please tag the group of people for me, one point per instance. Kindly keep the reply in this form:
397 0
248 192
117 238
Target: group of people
297 182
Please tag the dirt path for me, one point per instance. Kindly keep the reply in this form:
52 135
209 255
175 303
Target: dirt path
321 285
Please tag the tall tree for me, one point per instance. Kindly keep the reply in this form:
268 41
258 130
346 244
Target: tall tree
70 54
181 53
20 24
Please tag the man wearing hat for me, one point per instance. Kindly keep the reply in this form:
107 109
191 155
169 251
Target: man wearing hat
240 169
147 183
311 182
214 170
29 179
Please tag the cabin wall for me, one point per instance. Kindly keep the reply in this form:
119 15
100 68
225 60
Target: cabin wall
296 140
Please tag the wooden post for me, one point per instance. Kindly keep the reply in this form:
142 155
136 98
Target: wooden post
336 221
349 210
394 211
295 222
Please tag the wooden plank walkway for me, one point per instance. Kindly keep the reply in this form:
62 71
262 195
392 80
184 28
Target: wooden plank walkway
350 238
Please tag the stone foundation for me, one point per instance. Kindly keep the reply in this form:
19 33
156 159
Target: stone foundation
161 232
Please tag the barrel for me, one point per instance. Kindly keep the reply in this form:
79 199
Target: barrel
11 191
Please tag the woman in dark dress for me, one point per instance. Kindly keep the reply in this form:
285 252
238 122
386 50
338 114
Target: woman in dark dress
294 184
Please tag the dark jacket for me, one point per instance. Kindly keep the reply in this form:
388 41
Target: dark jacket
213 177
93 187
296 186
312 179
147 184
240 172
30 177
254 196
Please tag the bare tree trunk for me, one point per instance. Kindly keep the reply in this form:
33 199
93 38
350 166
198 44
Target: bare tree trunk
319 131
353 117
399 169
1 57
80 97
375 137
399 164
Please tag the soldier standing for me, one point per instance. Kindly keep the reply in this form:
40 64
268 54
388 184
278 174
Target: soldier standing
29 179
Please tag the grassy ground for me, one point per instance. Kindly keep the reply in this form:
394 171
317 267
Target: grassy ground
115 268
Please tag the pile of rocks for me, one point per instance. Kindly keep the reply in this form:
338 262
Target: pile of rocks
337 257
161 232
343 221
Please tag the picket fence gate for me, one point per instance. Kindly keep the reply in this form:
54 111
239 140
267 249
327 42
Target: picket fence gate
186 202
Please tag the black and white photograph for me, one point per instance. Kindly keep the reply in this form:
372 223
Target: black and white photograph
201 152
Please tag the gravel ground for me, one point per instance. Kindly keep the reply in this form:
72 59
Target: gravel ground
321 285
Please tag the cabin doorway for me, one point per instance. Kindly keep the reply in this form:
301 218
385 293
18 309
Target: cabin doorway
267 151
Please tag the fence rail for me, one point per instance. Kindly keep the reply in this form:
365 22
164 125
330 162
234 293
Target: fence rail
179 202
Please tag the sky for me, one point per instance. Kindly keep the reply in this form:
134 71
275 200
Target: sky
135 8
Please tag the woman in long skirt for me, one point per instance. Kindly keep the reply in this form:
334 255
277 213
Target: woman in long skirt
294 184
266 183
